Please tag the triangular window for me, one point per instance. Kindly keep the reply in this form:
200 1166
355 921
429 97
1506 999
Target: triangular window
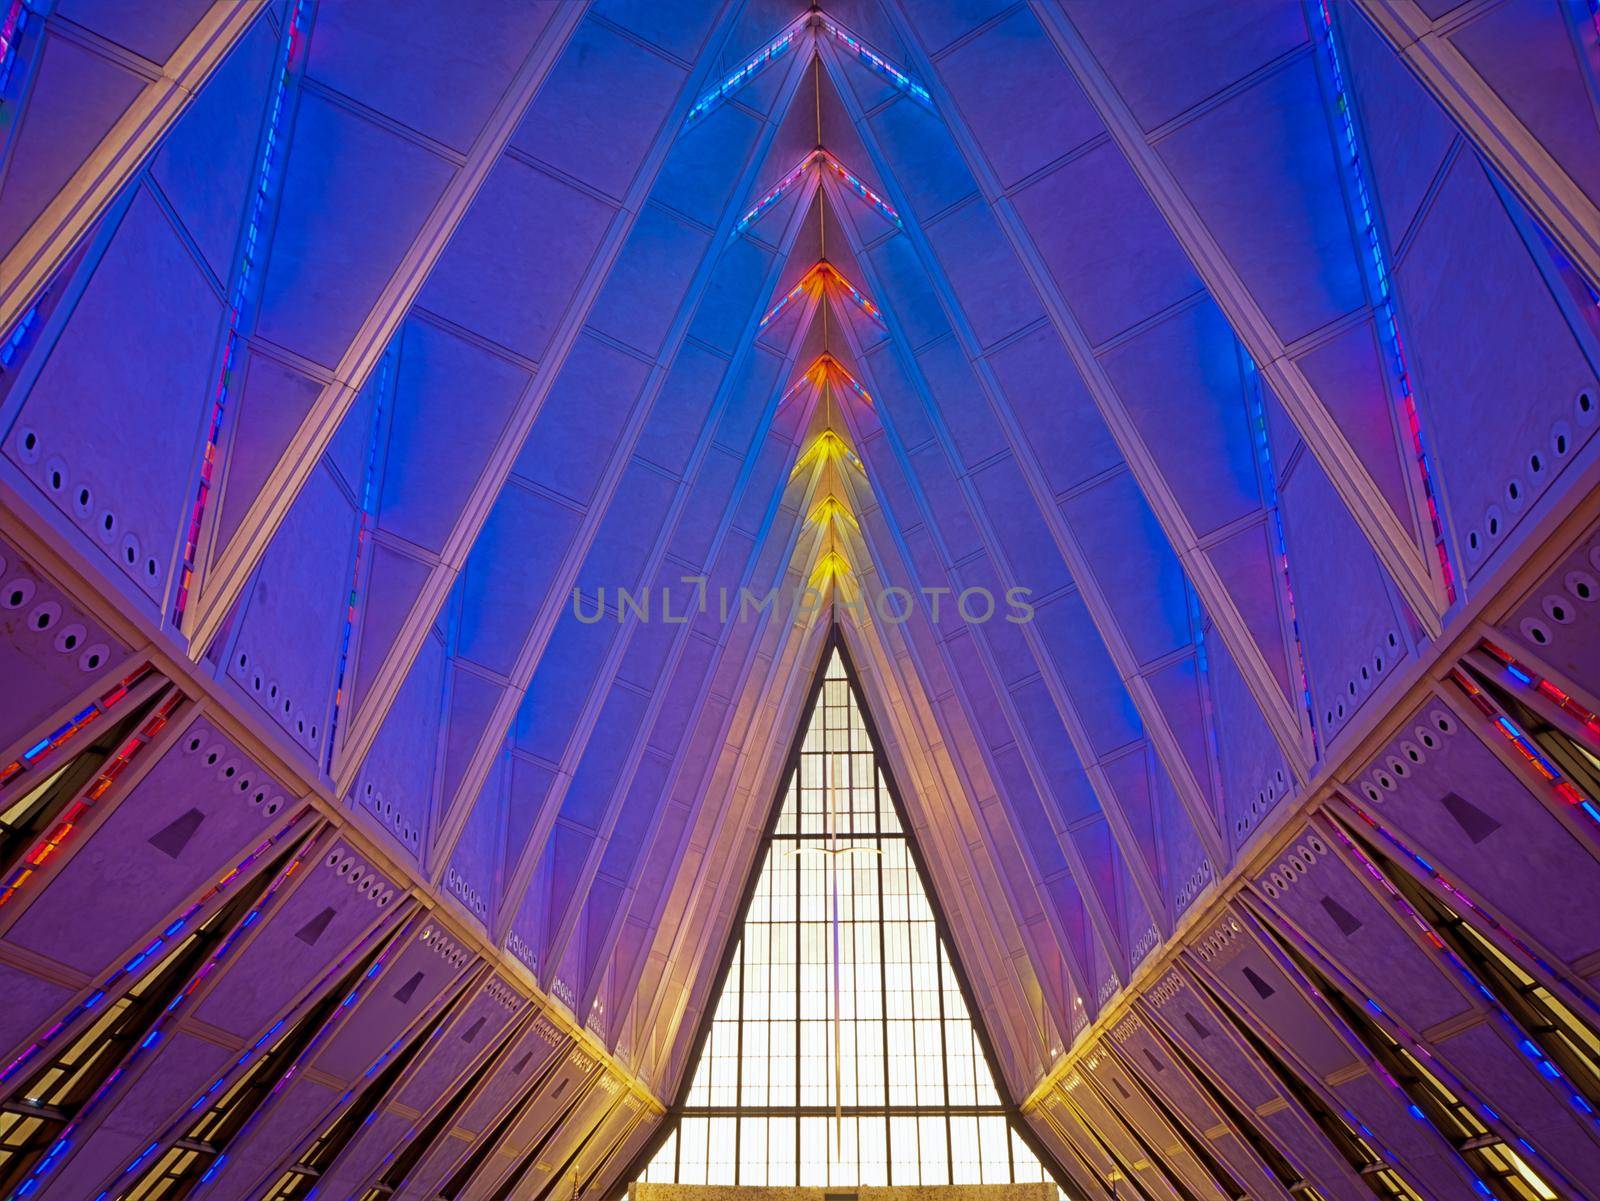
841 1051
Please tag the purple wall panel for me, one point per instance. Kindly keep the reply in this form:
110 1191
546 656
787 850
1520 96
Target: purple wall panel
482 281
272 1136
1540 1109
203 166
395 785
1153 1063
423 489
583 124
1166 60
1321 893
338 900
1532 61
202 804
1352 635
1407 141
1232 954
471 1034
1255 775
76 98
170 1079
286 649
378 1142
43 668
1122 1092
1469 357
1456 804
30 1002
417 975
1260 168
1052 408
268 401
111 428
354 195
1425 1159
1131 558
509 572
1181 382
443 82
1559 618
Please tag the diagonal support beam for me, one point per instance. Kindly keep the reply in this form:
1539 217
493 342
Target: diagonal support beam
1282 717
543 625
1569 214
1100 609
435 589
220 581
1414 573
30 266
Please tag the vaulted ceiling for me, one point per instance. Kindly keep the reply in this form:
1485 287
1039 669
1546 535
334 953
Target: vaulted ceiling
357 338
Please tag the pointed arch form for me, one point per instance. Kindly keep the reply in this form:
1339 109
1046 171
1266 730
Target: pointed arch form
840 1049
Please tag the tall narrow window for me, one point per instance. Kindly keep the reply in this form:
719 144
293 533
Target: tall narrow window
841 1052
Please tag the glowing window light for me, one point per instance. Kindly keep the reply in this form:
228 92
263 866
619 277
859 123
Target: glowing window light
834 167
11 27
69 820
1533 1051
855 294
70 729
875 62
261 1047
1258 420
830 510
64 1141
260 190
818 277
827 447
747 70
1525 746
1526 675
858 188
1386 305
778 191
363 530
148 952
836 372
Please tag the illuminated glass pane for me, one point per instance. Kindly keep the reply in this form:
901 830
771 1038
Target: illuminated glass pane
841 1052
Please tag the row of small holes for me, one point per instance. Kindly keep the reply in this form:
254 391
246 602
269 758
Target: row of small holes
365 880
1264 800
1516 496
229 770
104 524
563 992
503 994
46 615
1192 886
1296 864
458 885
1146 943
1386 776
1369 675
1214 943
388 812
1580 585
448 951
518 947
1108 988
1166 988
257 683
